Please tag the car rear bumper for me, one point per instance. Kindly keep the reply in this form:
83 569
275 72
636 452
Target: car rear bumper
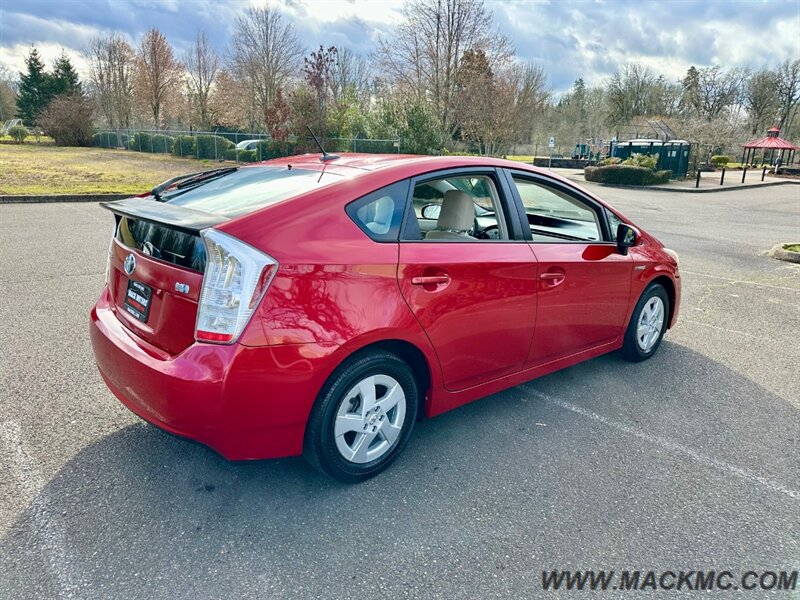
244 402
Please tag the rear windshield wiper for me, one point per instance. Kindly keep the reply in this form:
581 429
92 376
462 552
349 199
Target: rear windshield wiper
190 180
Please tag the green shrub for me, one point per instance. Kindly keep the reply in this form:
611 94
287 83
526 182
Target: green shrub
720 160
269 149
184 146
246 156
18 133
151 142
641 160
109 139
68 119
626 175
611 160
212 146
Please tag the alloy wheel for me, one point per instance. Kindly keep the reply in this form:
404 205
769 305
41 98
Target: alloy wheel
370 418
651 319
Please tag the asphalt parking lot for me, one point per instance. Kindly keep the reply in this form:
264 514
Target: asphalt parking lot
687 461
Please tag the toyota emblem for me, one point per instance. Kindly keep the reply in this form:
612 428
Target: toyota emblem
130 264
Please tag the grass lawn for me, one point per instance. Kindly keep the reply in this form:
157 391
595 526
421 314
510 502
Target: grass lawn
38 169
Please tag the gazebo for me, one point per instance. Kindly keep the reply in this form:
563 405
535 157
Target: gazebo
770 144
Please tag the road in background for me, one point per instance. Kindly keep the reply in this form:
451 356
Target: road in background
686 461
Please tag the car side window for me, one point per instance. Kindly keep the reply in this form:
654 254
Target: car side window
457 208
613 222
380 213
556 216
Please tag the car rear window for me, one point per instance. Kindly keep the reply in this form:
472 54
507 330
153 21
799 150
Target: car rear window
248 189
162 242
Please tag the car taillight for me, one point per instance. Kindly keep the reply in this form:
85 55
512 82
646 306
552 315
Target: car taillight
235 280
110 254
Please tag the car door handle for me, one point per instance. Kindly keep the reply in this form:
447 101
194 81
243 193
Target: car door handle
552 279
430 279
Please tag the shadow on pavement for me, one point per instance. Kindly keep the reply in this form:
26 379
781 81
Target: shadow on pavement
486 489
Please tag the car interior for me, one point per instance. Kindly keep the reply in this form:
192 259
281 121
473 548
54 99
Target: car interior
459 208
555 215
467 208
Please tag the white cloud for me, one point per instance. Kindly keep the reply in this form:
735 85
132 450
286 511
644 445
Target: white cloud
14 57
570 39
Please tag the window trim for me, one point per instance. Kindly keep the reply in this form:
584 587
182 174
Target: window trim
598 208
353 206
513 224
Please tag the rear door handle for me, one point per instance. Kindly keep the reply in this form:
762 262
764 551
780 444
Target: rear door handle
430 279
552 279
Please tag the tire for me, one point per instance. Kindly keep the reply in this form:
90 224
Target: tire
652 314
373 427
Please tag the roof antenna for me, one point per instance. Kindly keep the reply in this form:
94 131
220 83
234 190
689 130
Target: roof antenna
325 156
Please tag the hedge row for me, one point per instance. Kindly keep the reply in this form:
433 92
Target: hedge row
242 155
216 147
626 175
110 139
157 143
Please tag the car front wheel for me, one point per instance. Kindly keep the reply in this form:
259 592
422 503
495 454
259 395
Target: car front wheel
362 418
648 324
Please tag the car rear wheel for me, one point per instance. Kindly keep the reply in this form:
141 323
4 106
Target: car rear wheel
648 324
362 418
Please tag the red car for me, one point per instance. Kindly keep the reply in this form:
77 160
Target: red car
320 305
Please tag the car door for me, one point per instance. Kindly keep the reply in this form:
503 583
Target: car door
583 281
475 296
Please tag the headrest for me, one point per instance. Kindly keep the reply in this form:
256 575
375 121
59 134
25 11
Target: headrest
458 211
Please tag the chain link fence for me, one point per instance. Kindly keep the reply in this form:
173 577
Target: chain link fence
233 146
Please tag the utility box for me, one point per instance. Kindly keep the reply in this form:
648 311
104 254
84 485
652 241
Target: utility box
672 156
675 158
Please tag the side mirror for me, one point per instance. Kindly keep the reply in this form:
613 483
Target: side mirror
431 211
627 237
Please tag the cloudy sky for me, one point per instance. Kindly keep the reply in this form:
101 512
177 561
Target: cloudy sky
587 39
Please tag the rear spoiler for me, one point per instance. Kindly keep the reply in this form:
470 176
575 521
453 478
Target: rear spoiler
177 217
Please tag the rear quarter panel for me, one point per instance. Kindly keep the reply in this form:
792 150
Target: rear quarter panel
334 284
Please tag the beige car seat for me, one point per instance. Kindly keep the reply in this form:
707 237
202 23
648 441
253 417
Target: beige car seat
456 217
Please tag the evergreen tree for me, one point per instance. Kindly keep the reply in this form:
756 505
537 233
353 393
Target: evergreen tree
34 88
64 78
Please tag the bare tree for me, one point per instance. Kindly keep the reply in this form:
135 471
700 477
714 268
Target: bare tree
159 73
710 91
350 75
112 68
531 97
761 100
788 88
317 69
202 66
265 53
628 92
8 93
231 103
423 56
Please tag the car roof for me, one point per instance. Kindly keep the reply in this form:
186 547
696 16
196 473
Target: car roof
352 165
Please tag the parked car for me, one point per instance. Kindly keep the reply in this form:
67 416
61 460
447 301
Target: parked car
321 305
247 145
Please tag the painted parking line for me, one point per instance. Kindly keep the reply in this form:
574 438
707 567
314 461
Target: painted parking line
737 281
670 445
47 527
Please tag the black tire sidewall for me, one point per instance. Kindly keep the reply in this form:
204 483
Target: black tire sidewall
631 347
320 444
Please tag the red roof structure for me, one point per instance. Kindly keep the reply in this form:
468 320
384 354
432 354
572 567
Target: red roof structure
770 144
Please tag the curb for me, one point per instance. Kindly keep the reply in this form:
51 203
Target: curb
62 198
682 190
779 253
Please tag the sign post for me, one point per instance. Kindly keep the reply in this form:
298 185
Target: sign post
551 143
